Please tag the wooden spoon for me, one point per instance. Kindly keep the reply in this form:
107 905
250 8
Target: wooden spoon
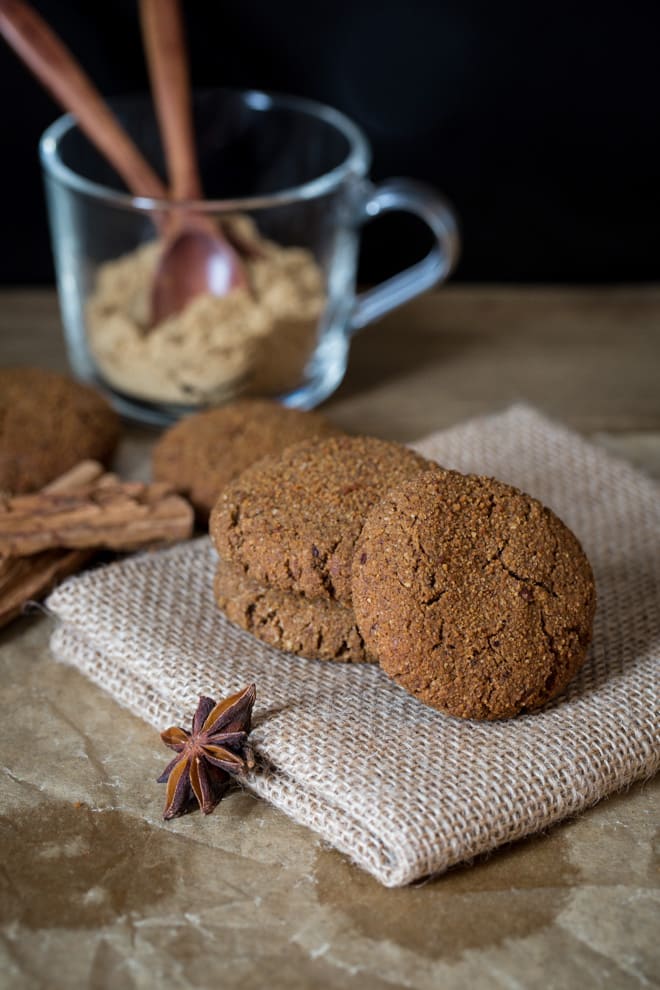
55 67
196 258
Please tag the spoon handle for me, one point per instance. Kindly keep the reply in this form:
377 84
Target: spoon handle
55 67
165 45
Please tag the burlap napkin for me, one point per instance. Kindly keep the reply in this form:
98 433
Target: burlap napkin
401 789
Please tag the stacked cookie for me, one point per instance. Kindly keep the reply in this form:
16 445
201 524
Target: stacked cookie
474 597
286 531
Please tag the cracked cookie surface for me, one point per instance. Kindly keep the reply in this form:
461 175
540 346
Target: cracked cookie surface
201 454
320 630
473 596
48 423
291 521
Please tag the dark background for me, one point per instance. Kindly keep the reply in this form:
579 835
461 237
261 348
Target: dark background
540 122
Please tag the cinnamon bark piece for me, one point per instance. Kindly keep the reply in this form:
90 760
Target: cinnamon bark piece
107 513
91 509
24 579
83 473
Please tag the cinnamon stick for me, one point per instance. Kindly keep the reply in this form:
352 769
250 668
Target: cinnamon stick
82 474
52 533
107 513
23 579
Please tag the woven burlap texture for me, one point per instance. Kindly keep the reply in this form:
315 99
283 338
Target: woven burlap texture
401 789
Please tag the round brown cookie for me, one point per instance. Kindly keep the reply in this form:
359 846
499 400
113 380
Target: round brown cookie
201 454
320 630
48 423
291 521
472 595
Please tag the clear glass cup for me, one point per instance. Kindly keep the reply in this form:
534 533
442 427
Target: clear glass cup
296 169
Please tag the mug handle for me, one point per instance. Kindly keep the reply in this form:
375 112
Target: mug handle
408 196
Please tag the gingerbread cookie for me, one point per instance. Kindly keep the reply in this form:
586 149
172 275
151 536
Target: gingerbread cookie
201 454
472 595
291 521
48 423
320 630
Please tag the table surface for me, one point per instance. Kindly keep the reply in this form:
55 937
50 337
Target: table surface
96 891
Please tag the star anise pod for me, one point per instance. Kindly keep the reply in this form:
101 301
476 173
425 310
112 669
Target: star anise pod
210 755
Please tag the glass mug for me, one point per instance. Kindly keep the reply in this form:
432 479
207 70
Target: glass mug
296 169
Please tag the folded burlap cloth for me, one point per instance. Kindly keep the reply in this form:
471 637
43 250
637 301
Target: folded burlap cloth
400 788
